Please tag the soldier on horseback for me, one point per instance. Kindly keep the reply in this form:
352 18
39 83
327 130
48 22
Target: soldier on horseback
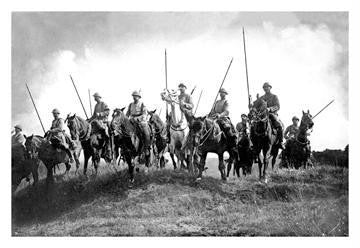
273 106
101 113
57 136
186 106
220 113
18 137
243 127
291 131
138 116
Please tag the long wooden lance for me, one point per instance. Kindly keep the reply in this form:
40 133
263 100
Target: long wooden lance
90 101
222 83
246 68
32 100
166 83
327 105
79 97
197 105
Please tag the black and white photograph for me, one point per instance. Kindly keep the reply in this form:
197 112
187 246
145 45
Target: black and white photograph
179 123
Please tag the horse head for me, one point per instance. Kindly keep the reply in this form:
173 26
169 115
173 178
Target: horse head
117 118
197 128
73 126
155 121
259 116
32 146
306 120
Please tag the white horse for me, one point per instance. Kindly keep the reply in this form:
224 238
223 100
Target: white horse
179 128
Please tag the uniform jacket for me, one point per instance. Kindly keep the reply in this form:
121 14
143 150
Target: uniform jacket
221 107
291 131
17 139
102 109
137 111
187 101
272 102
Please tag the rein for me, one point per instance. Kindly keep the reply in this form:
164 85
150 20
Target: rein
206 136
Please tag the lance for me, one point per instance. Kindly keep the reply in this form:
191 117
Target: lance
197 105
327 105
193 90
90 101
79 96
35 108
246 68
222 83
166 83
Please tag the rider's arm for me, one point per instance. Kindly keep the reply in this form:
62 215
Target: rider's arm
275 104
59 127
286 133
225 109
189 103
128 112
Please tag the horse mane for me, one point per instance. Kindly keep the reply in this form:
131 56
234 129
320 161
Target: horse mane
259 104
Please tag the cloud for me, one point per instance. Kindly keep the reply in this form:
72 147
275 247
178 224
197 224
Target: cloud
117 53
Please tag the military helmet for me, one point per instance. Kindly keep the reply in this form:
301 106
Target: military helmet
182 85
97 95
266 84
136 93
222 90
295 118
55 111
244 115
18 127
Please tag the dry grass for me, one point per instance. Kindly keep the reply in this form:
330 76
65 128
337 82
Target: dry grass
166 202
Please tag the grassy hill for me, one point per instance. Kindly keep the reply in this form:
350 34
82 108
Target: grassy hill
167 202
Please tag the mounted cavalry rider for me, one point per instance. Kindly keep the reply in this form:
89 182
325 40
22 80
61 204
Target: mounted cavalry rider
243 127
186 106
138 115
220 113
291 131
17 139
101 113
57 136
273 106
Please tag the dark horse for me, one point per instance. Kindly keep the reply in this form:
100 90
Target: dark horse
128 139
159 132
207 137
297 150
22 166
262 136
91 137
40 148
246 157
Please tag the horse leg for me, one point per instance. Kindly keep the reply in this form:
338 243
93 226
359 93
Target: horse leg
201 166
173 160
260 165
162 162
131 167
86 160
229 165
266 155
49 177
35 174
222 166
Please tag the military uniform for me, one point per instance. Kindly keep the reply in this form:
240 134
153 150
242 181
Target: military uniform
291 131
58 137
18 139
273 105
137 113
243 129
220 112
186 103
101 114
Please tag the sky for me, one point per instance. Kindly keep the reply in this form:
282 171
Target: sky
304 55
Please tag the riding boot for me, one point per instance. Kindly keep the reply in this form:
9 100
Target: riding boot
68 152
280 137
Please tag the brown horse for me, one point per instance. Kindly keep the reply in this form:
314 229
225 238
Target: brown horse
297 151
159 132
207 136
246 157
262 136
128 139
91 137
22 166
40 148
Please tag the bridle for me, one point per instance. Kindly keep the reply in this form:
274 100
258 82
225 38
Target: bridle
256 119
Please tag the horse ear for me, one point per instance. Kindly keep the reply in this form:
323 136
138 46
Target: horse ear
122 109
257 96
308 112
303 112
203 118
